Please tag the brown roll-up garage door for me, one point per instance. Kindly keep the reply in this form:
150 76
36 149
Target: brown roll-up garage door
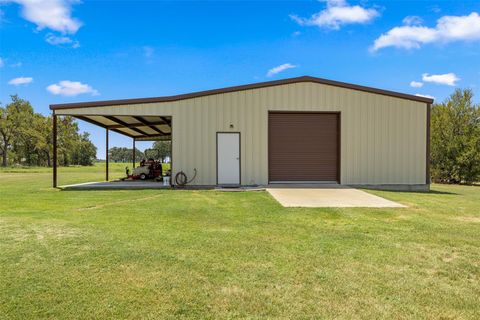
303 146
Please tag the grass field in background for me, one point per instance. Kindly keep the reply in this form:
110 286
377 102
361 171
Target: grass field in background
206 254
76 174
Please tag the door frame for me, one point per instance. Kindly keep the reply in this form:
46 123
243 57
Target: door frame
339 137
239 156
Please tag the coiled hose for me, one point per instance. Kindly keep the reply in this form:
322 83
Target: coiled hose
181 179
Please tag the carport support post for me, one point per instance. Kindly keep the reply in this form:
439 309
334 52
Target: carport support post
54 138
106 154
133 155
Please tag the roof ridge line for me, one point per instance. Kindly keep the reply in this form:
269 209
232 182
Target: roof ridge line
257 85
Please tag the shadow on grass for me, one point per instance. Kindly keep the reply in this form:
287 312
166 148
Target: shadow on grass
440 192
417 192
414 191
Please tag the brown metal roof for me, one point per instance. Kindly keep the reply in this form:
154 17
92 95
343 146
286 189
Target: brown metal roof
136 127
240 88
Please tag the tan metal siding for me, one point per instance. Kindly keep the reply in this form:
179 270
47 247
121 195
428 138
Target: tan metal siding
383 139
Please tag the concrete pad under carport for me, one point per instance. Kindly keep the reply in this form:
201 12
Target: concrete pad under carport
332 196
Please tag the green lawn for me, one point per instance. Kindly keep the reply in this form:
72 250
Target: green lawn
206 254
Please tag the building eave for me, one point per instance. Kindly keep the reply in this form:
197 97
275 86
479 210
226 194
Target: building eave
241 88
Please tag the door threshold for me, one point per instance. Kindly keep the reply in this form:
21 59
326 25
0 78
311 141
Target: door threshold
228 186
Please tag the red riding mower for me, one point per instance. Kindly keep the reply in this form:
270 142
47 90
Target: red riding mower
148 169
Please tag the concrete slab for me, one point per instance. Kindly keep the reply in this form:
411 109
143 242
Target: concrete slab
127 184
336 196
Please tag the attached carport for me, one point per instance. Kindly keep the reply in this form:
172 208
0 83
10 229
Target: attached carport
138 128
297 130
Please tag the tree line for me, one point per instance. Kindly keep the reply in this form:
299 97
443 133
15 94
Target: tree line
26 138
161 150
122 154
455 139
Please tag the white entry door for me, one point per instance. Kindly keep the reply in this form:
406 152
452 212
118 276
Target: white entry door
228 158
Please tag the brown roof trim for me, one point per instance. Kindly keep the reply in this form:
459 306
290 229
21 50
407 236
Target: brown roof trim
240 88
428 157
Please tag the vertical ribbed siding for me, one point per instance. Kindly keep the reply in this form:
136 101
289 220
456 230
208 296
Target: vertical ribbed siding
303 146
383 139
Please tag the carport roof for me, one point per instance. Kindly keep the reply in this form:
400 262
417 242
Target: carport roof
241 88
136 127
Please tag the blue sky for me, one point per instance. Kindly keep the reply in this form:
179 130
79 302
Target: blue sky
57 51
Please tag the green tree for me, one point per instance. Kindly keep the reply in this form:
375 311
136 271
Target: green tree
26 137
6 133
455 139
160 150
15 121
31 140
44 144
123 154
67 139
85 152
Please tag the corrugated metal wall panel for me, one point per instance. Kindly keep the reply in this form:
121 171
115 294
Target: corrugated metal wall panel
382 138
303 146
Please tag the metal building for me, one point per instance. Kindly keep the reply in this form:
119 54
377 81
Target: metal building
294 130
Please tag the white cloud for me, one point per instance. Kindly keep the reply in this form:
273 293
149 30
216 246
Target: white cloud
20 81
448 29
12 65
406 37
416 84
412 20
52 14
61 40
425 96
448 79
338 13
436 9
71 88
280 68
148 51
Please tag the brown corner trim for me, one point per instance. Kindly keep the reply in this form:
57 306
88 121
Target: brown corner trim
54 142
240 88
339 147
427 156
